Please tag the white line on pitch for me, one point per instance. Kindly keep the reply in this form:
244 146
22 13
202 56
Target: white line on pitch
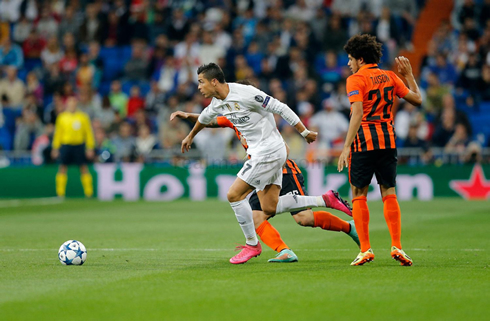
30 202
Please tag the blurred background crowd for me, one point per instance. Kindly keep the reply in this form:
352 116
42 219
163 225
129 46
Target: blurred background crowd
131 63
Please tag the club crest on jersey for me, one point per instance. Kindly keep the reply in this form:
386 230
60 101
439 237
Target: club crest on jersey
259 99
237 107
266 101
352 93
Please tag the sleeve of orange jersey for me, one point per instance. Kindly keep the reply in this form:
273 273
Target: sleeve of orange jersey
222 121
355 88
401 90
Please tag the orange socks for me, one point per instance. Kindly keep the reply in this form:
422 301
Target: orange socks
271 237
360 213
393 219
330 222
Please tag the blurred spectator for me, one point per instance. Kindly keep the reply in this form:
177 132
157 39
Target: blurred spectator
435 91
33 45
157 28
178 26
216 152
119 100
301 11
331 73
11 54
69 22
41 147
85 72
145 143
445 129
124 144
458 141
445 72
105 114
296 143
53 80
135 101
470 77
28 128
409 115
69 64
54 109
13 88
172 133
34 87
484 83
22 30
210 51
86 104
330 124
139 29
406 13
155 100
136 68
91 28
412 139
47 26
52 53
115 31
104 148
335 37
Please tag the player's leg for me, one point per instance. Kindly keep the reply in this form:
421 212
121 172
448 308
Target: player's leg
331 199
87 182
361 170
326 221
268 234
85 176
386 176
237 198
62 176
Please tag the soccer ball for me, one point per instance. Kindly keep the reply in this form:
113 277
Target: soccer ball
72 253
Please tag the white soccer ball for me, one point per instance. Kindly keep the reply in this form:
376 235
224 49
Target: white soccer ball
72 253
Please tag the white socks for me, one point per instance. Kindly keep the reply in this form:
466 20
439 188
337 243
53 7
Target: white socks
243 213
288 203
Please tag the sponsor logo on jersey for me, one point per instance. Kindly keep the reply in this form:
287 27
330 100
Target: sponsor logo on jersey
266 101
240 120
352 93
259 98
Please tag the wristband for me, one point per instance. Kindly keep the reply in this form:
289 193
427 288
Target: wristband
305 133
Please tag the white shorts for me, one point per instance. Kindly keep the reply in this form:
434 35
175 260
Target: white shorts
262 170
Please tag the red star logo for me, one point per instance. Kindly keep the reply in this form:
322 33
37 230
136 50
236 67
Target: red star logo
476 188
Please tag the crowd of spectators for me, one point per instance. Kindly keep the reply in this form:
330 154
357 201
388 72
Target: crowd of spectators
132 63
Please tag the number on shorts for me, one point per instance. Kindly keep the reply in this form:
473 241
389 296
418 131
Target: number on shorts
246 169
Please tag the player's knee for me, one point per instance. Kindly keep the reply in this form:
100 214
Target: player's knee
232 196
269 209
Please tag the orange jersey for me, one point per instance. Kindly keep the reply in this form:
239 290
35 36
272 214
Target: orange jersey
376 89
289 168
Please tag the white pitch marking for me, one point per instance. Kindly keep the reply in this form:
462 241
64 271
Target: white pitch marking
220 250
30 202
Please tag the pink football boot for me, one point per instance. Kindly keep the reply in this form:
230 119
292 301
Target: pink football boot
247 252
333 200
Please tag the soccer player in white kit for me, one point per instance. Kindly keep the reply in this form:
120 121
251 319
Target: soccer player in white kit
250 110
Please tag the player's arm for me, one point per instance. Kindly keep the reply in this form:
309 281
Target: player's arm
405 69
56 138
193 118
355 123
89 138
204 119
274 106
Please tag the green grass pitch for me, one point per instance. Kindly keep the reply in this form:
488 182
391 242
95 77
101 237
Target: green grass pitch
169 261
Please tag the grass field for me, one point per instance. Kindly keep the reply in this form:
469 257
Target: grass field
169 261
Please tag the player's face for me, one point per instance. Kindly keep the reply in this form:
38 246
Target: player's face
205 86
353 64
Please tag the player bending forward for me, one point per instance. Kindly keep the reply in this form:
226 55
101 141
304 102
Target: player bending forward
370 143
293 184
250 110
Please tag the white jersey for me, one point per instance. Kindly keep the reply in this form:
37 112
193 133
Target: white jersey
250 110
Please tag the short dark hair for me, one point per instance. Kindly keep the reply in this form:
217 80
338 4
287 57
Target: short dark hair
364 46
211 71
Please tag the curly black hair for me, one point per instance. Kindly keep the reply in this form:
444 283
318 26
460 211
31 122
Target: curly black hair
364 46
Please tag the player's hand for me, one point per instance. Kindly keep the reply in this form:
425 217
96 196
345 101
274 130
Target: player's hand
344 159
311 137
404 67
89 153
178 114
186 144
55 153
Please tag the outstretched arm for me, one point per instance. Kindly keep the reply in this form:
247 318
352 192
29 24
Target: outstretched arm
192 117
187 142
